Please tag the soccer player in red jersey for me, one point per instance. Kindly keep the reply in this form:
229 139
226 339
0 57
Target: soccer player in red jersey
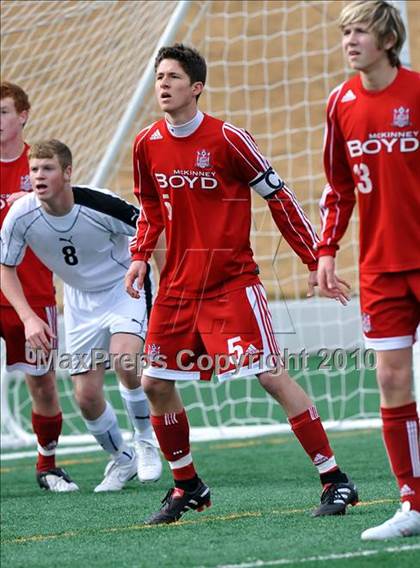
193 176
38 287
372 149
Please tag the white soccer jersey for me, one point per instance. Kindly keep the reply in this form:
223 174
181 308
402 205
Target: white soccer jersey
87 248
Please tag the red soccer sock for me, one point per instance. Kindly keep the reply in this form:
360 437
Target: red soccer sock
310 432
173 433
47 430
401 437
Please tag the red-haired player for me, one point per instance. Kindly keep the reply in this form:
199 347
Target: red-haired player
38 288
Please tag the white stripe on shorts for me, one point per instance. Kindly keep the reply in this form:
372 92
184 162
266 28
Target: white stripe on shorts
258 301
51 312
388 343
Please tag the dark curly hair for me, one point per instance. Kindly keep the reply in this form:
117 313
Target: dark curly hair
191 61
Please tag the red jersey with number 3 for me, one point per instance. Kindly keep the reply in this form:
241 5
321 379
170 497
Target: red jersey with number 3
36 279
198 188
372 149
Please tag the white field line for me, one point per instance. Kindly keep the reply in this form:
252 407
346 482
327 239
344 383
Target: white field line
222 443
342 556
59 452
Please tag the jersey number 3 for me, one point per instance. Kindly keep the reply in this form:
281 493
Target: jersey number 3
70 257
365 183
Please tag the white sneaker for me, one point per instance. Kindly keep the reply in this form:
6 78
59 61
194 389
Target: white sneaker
117 474
405 522
149 464
56 480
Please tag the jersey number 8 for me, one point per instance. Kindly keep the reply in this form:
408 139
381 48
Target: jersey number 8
70 257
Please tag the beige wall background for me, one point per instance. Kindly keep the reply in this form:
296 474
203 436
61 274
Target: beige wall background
271 67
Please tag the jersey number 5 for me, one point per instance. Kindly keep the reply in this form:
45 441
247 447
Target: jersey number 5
70 257
365 183
235 350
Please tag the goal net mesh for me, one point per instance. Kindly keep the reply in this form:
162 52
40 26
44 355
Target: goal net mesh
271 65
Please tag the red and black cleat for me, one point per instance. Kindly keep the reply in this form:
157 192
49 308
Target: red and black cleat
335 498
178 501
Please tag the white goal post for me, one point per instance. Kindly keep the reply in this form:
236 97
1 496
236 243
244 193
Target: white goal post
88 69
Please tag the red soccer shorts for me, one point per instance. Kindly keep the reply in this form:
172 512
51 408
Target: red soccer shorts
230 335
12 331
390 304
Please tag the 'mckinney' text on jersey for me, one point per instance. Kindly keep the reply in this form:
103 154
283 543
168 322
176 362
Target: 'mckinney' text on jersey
198 188
87 248
372 146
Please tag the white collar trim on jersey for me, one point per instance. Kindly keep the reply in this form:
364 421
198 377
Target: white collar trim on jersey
182 130
6 161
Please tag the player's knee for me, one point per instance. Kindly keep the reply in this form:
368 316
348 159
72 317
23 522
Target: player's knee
87 397
156 389
274 381
393 378
127 374
43 389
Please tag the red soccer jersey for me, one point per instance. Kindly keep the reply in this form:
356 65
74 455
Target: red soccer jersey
372 145
36 279
198 188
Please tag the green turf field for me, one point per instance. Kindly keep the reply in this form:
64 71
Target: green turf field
262 491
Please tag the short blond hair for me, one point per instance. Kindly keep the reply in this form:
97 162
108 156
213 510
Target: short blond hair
49 149
382 18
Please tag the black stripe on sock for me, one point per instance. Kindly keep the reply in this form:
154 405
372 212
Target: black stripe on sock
112 442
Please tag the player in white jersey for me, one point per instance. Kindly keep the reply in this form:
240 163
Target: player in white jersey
82 235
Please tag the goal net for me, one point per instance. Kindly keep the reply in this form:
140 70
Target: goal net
271 65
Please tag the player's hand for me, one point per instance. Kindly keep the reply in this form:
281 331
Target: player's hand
38 334
15 196
137 271
312 282
330 285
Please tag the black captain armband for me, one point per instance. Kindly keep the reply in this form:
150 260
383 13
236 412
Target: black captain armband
267 184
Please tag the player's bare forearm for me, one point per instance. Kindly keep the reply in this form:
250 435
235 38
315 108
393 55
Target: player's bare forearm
135 273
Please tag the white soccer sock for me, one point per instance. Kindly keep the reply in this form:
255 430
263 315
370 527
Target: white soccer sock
108 434
137 407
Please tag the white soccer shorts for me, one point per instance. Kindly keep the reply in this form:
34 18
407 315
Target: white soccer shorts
90 318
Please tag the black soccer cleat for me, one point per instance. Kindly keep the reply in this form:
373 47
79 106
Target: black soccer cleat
335 498
56 480
177 502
